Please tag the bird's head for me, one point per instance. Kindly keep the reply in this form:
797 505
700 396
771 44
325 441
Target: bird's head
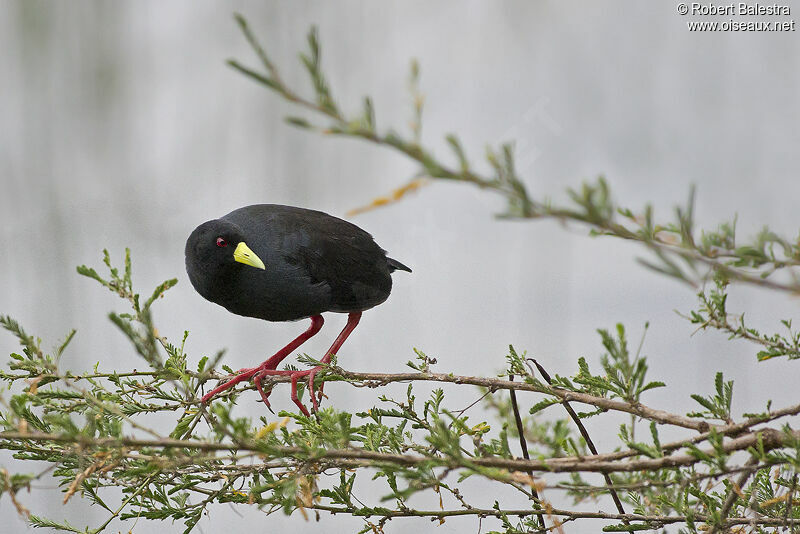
215 247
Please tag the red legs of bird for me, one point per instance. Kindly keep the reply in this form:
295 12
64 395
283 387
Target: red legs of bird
271 363
352 322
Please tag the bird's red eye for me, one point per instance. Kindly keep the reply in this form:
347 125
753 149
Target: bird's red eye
221 242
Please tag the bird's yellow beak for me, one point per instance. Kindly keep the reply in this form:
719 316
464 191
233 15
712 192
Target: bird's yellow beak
243 254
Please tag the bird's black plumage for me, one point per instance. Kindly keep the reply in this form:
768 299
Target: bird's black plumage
313 263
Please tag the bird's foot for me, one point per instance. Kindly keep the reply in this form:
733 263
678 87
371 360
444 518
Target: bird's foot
240 376
295 376
257 374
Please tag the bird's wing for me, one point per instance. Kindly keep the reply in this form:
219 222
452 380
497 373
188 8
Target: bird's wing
342 256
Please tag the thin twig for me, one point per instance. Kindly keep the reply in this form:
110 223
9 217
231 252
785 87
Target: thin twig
573 514
789 502
587 438
734 491
523 444
122 506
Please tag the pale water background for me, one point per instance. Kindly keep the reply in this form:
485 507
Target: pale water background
122 126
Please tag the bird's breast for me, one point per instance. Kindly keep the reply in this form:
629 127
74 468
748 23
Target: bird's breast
282 294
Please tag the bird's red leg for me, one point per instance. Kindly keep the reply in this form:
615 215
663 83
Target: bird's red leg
248 373
352 322
272 363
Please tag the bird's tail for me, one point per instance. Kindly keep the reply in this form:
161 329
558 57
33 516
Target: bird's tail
395 265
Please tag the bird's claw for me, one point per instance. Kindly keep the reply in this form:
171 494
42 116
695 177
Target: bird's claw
258 379
294 376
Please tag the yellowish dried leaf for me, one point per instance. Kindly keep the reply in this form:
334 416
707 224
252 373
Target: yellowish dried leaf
271 427
394 196
34 384
668 238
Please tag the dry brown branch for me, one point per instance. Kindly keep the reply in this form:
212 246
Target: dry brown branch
769 438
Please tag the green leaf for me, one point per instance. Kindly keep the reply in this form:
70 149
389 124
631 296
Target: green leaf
159 292
41 522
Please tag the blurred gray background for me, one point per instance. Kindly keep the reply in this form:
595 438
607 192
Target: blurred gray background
122 126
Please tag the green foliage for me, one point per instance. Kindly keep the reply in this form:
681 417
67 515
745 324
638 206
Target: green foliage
623 378
718 406
137 326
88 425
713 313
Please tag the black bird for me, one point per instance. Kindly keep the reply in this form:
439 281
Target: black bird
282 263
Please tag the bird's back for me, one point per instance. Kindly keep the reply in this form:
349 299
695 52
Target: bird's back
315 262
